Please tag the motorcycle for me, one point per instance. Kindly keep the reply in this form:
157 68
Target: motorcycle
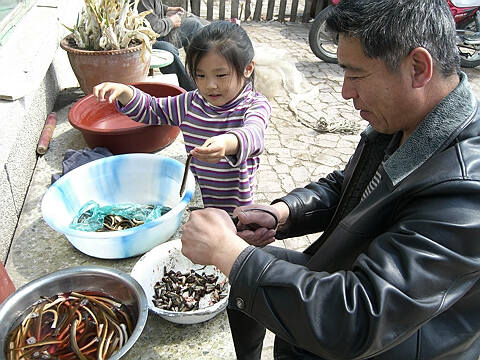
466 14
321 41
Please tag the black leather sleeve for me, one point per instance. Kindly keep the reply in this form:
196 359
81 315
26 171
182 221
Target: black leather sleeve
312 207
416 269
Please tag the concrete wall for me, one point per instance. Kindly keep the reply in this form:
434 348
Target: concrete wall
33 69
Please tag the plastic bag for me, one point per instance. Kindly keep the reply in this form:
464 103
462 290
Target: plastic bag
91 216
277 75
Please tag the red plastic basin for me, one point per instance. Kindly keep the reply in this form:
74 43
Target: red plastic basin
102 125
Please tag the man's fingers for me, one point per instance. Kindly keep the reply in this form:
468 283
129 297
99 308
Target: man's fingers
264 236
247 235
260 217
266 242
269 235
259 237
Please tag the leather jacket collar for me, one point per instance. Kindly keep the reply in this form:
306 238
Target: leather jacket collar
440 126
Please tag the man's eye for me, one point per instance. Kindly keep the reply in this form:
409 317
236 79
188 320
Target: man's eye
352 78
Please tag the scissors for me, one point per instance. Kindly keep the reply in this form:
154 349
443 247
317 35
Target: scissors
251 226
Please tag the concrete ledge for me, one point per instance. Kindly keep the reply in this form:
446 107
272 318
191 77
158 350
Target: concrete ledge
28 52
18 166
33 70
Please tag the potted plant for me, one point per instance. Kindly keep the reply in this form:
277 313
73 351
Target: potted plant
111 41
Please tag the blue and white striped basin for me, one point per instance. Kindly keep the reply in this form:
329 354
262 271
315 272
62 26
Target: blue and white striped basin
130 178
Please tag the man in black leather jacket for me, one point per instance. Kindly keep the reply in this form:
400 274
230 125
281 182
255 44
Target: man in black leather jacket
395 274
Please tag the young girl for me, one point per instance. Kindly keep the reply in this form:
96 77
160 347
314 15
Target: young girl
223 121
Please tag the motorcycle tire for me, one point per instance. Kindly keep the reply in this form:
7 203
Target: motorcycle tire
467 63
471 57
322 43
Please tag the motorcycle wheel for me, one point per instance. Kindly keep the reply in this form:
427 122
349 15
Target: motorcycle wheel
322 42
469 54
470 62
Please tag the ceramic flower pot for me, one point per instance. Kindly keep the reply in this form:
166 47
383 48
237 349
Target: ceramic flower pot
94 67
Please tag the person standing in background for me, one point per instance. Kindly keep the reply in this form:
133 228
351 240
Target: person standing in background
175 30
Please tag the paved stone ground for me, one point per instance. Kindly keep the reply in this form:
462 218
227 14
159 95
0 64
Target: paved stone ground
296 153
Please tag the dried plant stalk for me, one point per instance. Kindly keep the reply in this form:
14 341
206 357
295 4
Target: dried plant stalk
112 25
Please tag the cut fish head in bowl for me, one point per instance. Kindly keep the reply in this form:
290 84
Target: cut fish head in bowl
166 259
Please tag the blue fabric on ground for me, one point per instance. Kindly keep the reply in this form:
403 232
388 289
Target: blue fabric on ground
75 158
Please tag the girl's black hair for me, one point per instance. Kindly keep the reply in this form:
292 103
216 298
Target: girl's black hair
228 39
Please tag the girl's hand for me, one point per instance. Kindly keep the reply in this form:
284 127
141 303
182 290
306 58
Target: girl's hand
215 148
109 91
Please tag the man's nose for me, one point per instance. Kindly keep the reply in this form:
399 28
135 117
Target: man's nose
348 90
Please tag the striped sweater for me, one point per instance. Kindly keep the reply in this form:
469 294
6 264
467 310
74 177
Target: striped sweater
228 183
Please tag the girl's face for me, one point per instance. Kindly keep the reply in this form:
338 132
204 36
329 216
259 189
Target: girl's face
217 81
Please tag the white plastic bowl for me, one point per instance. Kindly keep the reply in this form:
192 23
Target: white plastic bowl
129 178
149 269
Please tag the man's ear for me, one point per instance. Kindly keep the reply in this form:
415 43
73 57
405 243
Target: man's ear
249 69
421 63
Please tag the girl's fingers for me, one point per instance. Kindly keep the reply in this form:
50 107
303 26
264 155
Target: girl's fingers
100 92
207 155
106 92
207 149
113 95
210 159
97 92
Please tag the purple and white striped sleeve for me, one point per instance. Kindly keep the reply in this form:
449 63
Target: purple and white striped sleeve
251 136
150 110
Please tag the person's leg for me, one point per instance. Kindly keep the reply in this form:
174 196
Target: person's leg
176 67
282 350
189 27
247 333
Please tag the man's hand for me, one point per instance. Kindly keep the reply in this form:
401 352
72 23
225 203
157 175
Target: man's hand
176 19
266 223
215 148
175 10
209 237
